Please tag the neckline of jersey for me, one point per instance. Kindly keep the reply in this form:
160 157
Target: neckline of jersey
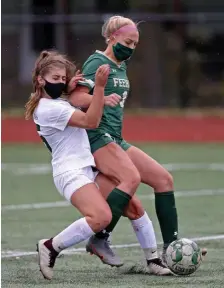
101 52
59 98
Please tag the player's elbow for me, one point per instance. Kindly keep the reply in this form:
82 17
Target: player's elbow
80 98
92 124
92 121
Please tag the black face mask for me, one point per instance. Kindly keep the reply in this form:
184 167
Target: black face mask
54 90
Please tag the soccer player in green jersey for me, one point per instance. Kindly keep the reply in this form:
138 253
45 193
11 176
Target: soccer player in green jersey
114 157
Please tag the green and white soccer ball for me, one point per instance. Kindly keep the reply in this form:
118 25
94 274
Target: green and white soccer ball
183 257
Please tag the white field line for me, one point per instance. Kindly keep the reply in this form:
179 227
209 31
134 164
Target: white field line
20 169
184 193
9 254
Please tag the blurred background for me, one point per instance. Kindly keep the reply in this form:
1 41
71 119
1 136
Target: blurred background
176 73
179 61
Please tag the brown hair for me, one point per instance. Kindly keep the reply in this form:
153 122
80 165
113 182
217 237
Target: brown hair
113 24
46 61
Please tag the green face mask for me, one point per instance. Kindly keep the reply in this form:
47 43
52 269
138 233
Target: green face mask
122 52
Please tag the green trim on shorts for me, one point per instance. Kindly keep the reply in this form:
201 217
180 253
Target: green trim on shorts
125 145
104 139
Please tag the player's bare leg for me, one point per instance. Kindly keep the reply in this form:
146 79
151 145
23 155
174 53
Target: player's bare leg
97 216
101 246
117 165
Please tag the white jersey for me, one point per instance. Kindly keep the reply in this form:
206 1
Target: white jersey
69 145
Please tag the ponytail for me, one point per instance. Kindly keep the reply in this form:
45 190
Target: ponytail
32 104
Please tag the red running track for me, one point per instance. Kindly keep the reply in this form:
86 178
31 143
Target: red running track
136 129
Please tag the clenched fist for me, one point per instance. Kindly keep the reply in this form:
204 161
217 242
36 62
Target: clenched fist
112 100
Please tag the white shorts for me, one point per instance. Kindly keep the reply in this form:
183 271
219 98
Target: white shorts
69 182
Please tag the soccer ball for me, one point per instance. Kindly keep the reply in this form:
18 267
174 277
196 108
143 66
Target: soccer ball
183 257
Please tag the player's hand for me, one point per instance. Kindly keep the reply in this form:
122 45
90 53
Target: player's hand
102 74
112 100
74 81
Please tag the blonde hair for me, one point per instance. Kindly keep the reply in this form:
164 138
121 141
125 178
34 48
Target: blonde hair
46 61
113 24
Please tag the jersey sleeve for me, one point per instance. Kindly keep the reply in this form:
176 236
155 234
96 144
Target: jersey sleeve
59 115
89 71
87 83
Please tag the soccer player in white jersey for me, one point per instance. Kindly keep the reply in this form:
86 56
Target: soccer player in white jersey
60 126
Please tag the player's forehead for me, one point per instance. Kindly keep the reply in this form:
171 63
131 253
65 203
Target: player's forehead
59 71
131 34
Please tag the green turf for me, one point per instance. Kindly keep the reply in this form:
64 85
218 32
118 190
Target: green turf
198 216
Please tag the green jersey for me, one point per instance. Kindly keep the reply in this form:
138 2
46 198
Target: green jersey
111 122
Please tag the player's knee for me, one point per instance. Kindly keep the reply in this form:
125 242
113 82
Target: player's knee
136 179
165 182
168 182
132 180
101 219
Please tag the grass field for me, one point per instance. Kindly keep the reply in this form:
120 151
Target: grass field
198 171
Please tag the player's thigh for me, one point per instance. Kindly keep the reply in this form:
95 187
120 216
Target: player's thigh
89 200
78 187
105 184
151 172
91 204
113 161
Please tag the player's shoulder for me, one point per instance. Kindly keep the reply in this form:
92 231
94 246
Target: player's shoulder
49 106
95 60
46 103
49 110
43 105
